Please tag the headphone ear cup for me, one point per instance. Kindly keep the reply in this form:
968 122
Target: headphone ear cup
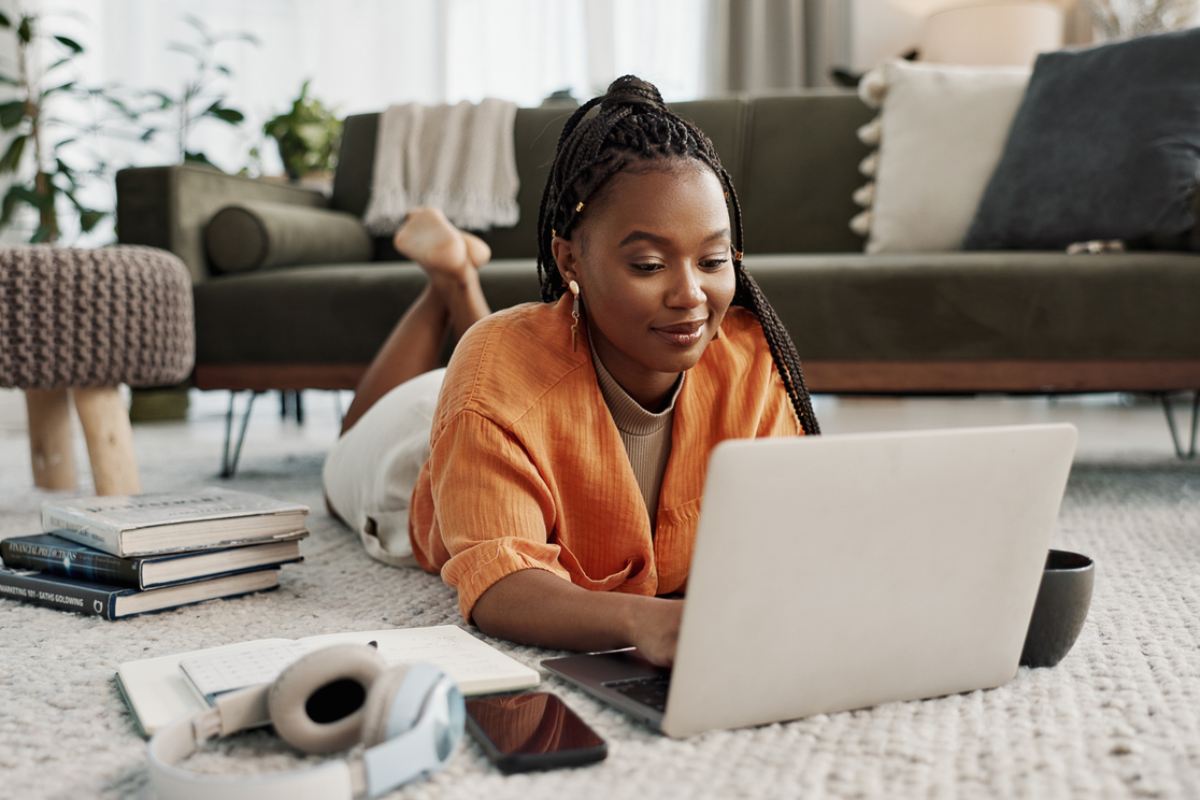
376 710
316 704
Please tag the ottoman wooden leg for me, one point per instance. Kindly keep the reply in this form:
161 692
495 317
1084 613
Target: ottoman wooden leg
109 440
50 448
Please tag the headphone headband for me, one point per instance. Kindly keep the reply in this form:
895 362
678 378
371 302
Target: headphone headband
178 741
419 712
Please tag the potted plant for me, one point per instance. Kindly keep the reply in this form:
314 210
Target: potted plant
307 136
201 97
41 150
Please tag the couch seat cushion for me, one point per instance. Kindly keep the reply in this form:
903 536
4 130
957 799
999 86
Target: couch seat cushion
986 305
851 307
324 313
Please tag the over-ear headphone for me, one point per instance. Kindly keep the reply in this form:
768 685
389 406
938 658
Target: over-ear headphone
409 717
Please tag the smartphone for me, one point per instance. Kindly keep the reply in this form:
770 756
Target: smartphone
532 731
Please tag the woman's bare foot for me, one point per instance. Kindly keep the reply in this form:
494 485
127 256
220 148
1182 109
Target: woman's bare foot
478 253
428 238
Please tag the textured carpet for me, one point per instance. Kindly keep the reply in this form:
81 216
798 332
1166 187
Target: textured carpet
1119 717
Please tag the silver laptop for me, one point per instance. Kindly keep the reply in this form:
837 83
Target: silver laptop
839 572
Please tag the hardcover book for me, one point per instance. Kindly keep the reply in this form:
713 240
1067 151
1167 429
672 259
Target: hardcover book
114 602
172 522
47 552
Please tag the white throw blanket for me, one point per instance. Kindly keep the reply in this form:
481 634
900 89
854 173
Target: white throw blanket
458 158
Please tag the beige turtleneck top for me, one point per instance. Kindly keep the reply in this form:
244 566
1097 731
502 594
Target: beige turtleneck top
645 434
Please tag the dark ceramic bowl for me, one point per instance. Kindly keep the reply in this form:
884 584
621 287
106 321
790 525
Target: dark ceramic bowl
1060 609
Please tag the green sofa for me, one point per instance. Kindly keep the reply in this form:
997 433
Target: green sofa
926 323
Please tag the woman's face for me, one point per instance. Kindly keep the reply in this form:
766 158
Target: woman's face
652 259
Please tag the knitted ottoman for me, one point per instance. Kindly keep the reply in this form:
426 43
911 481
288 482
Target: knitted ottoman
74 324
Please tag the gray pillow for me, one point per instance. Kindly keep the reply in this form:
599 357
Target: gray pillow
1105 145
254 235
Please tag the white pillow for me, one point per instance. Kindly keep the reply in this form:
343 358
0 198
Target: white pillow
942 131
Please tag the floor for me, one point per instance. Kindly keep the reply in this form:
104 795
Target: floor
1117 718
1111 426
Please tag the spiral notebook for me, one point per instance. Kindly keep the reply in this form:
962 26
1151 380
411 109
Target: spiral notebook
158 690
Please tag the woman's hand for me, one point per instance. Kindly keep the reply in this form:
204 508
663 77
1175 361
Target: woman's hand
655 629
537 607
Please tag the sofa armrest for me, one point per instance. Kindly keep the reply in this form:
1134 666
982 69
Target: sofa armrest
168 207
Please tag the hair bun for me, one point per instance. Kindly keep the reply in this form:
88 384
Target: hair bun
632 90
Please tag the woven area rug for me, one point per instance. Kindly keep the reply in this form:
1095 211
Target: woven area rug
1119 717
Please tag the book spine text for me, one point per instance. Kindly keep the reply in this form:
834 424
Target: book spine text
88 566
81 528
42 592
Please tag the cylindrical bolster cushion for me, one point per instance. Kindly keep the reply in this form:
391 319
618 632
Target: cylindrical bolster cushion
254 235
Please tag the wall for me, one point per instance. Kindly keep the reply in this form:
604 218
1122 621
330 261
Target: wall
884 29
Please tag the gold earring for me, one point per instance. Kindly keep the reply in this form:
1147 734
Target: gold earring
574 287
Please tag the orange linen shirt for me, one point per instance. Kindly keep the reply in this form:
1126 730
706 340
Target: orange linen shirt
527 469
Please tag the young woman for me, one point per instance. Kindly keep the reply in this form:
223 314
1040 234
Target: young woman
552 473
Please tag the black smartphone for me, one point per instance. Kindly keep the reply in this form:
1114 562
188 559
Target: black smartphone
530 731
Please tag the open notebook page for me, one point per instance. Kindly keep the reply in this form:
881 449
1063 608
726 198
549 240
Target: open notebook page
475 666
157 690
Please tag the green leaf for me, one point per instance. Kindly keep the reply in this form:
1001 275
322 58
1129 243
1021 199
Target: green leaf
70 43
224 70
88 218
66 172
9 204
25 30
16 194
230 115
74 200
7 81
197 23
28 195
12 156
62 87
190 157
148 134
60 62
187 50
116 103
165 100
5 22
41 236
11 114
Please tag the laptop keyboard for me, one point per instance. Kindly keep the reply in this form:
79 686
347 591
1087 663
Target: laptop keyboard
650 691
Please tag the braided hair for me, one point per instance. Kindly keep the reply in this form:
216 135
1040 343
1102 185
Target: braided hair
633 126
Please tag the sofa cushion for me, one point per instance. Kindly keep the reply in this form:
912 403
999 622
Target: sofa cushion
324 313
943 130
986 306
1105 145
847 307
252 235
800 172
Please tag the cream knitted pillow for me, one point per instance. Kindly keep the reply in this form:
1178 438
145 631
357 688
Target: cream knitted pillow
940 132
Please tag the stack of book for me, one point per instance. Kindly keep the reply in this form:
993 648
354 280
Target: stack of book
116 556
